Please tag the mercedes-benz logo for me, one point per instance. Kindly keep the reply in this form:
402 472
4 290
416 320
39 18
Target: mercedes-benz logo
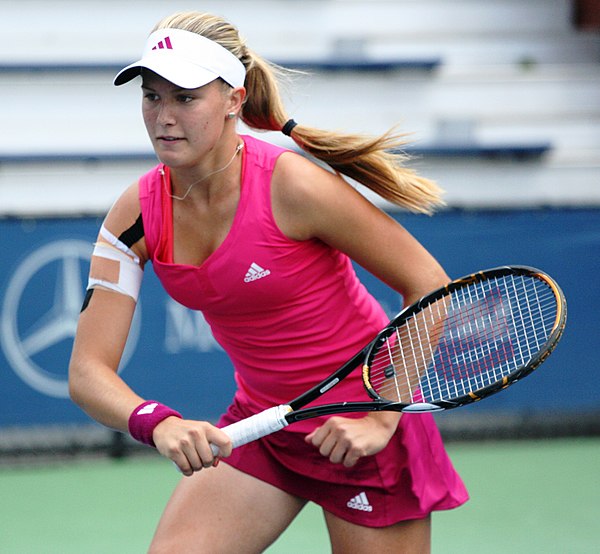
40 312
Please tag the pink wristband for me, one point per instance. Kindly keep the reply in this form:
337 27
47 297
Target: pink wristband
146 417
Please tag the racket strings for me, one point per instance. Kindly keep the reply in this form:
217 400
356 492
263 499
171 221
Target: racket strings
463 342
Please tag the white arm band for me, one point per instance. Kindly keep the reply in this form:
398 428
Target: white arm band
111 239
130 273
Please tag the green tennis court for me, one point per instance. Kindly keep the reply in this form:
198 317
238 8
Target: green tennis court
526 496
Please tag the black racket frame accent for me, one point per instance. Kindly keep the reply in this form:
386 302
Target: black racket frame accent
364 357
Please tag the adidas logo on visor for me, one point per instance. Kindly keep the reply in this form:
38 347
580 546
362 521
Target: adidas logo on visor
164 44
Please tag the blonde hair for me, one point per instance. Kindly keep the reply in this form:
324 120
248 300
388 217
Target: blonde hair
376 162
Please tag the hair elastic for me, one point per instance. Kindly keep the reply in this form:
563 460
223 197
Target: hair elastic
146 417
288 127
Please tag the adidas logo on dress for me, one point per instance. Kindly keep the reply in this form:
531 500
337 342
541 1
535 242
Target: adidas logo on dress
360 502
255 272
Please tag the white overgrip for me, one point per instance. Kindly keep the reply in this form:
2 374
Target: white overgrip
256 426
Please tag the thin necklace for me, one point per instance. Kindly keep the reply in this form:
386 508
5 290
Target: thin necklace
238 148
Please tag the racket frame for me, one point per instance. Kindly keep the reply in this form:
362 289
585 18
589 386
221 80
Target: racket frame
278 417
378 403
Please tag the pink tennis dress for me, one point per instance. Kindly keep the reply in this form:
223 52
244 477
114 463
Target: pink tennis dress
288 313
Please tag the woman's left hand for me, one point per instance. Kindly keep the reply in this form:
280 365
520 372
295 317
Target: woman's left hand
344 440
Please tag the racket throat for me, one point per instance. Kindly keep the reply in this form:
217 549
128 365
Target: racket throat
422 407
342 408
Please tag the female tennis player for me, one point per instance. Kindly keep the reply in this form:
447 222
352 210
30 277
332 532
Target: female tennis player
260 238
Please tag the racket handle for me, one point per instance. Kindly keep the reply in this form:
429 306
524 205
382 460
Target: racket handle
254 427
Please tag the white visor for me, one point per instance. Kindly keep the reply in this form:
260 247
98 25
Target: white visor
186 59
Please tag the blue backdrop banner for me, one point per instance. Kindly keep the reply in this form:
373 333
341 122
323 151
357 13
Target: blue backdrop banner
171 355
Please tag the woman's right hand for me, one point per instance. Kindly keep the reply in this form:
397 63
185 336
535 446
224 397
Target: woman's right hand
187 443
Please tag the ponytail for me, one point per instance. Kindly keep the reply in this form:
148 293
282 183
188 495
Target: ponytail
375 162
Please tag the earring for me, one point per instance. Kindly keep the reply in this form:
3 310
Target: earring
230 115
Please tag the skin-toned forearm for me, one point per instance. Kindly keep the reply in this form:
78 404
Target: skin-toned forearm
388 420
102 394
94 383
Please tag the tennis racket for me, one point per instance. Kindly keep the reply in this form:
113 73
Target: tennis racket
459 344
